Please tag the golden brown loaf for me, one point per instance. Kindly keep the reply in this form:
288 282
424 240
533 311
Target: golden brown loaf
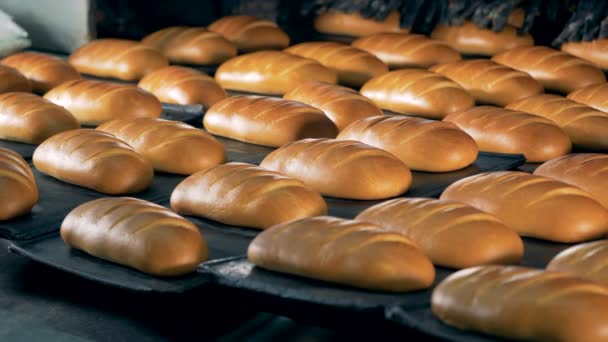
451 234
19 191
508 131
517 17
353 24
43 71
490 82
523 303
593 51
170 146
95 160
347 252
403 50
184 86
135 233
30 119
268 121
555 70
595 96
585 126
533 206
588 171
471 39
13 80
246 195
587 261
342 168
342 105
271 72
353 66
95 102
117 58
250 33
417 92
191 45
423 145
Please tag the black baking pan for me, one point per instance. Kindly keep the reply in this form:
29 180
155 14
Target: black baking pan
24 150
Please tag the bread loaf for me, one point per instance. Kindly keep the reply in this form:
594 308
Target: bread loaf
250 33
588 171
191 45
523 303
267 121
170 146
19 191
555 70
402 50
246 195
43 71
341 105
30 119
270 72
533 206
95 102
451 234
126 60
353 66
347 252
353 24
135 233
490 82
12 80
585 126
595 96
470 39
422 145
593 51
587 261
343 169
517 17
184 86
95 160
417 92
508 131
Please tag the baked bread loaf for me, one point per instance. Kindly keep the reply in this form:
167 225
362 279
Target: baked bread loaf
533 206
191 45
595 96
30 119
588 171
170 146
250 33
585 126
95 102
587 261
347 252
555 70
422 145
123 59
270 72
43 71
184 86
403 50
470 39
342 168
268 121
19 191
508 131
342 105
593 51
95 160
353 24
523 303
517 17
451 234
353 66
12 80
417 92
490 82
246 195
135 233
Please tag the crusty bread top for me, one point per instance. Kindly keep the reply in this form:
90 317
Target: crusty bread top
595 96
588 261
44 71
556 108
13 80
14 167
233 26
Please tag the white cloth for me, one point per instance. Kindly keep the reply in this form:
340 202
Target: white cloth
12 37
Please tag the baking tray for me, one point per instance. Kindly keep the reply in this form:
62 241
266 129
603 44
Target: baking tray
24 150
